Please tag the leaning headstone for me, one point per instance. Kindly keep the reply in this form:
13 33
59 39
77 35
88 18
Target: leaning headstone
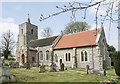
62 67
52 67
42 68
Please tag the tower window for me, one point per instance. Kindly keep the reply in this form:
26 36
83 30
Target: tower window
22 31
32 32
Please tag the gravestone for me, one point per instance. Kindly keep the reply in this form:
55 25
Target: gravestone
42 68
5 74
87 67
62 67
52 67
27 65
5 71
17 64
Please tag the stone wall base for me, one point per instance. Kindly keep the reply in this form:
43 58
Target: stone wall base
101 72
10 78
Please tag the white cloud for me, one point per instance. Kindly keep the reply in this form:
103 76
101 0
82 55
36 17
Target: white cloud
7 20
8 24
39 33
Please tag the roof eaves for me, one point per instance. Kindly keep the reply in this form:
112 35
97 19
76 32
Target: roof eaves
74 47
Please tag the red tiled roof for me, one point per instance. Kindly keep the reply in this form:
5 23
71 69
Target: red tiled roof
85 38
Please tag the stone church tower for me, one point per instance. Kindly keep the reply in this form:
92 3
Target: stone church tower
27 32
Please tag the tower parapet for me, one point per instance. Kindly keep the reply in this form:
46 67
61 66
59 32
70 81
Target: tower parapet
27 32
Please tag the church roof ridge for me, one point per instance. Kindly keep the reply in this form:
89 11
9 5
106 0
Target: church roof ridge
45 38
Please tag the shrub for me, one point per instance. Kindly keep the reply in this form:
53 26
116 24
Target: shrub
117 63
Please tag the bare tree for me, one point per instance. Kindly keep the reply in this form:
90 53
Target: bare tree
8 43
47 32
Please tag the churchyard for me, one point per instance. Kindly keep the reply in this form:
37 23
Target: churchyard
69 75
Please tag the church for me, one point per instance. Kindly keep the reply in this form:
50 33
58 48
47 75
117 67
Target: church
77 50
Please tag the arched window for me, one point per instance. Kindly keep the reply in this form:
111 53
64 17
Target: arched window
85 56
82 57
68 56
47 55
41 55
32 32
56 58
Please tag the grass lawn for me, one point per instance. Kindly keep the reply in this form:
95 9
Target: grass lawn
70 75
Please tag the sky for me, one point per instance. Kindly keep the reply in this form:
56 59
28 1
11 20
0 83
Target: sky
14 13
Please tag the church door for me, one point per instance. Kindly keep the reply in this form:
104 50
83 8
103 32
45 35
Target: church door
60 61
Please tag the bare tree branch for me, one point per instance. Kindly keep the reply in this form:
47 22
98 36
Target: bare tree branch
70 8
47 32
